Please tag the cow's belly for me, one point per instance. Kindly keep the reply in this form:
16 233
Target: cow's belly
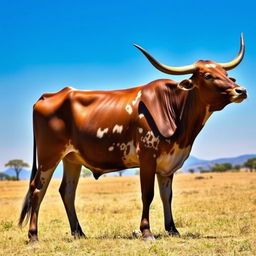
113 157
168 163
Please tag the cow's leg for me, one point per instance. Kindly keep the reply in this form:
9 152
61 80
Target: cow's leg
147 179
38 188
165 188
68 190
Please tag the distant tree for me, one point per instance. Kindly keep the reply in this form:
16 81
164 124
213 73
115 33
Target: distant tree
221 167
237 167
85 172
4 176
120 173
17 165
202 170
250 164
191 171
137 172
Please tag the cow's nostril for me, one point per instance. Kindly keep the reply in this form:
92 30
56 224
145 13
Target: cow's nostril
240 90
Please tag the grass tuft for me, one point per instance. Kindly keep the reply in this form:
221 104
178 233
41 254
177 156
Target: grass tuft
6 225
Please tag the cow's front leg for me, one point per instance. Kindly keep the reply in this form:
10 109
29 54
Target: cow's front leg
147 179
165 188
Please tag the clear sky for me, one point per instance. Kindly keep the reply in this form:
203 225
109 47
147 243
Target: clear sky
47 45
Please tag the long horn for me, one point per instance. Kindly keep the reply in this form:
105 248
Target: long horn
238 59
166 69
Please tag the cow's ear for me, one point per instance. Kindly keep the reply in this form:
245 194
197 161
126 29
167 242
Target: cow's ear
159 105
186 84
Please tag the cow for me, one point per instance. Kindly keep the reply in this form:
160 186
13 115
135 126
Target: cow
151 126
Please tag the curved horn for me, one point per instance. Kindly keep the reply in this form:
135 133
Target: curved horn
238 59
166 69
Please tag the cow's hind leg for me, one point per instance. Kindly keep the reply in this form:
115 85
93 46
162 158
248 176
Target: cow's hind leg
38 188
165 188
68 190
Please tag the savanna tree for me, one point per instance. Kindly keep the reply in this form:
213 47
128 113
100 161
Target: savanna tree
17 165
221 167
85 172
250 164
191 170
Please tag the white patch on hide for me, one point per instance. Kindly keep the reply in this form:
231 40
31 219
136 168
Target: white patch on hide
130 157
137 98
168 163
141 116
111 148
128 108
36 191
140 130
150 141
69 149
100 133
117 128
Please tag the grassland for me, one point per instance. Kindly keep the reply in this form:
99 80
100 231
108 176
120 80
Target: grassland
215 214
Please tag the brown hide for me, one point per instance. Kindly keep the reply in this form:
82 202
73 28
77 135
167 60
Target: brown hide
88 121
162 100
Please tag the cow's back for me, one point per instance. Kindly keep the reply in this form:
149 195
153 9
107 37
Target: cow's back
93 128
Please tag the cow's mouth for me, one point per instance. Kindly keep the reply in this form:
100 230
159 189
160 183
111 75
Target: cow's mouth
238 98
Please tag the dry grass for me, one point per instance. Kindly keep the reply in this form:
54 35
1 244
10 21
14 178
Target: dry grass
215 214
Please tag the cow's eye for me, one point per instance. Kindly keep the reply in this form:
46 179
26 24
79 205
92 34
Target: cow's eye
208 76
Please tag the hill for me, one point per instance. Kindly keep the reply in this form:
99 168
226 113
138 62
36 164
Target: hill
196 163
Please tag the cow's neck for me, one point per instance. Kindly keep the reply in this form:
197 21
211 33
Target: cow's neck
193 115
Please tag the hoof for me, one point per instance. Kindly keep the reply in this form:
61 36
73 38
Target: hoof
136 233
78 235
174 232
32 236
149 238
33 240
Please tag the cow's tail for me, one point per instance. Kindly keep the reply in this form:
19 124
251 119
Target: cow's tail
26 208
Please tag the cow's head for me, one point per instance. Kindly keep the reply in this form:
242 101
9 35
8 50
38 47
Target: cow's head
210 78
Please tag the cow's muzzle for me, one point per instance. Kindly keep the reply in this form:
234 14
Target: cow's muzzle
238 94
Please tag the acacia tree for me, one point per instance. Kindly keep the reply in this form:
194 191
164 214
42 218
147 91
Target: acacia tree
237 167
121 173
221 167
191 170
85 172
17 165
137 172
251 164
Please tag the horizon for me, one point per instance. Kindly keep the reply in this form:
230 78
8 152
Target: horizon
59 168
47 46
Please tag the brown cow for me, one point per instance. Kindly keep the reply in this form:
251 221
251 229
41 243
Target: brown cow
152 126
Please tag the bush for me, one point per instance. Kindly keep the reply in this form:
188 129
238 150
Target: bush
4 176
221 167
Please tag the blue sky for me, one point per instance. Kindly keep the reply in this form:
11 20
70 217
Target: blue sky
46 45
